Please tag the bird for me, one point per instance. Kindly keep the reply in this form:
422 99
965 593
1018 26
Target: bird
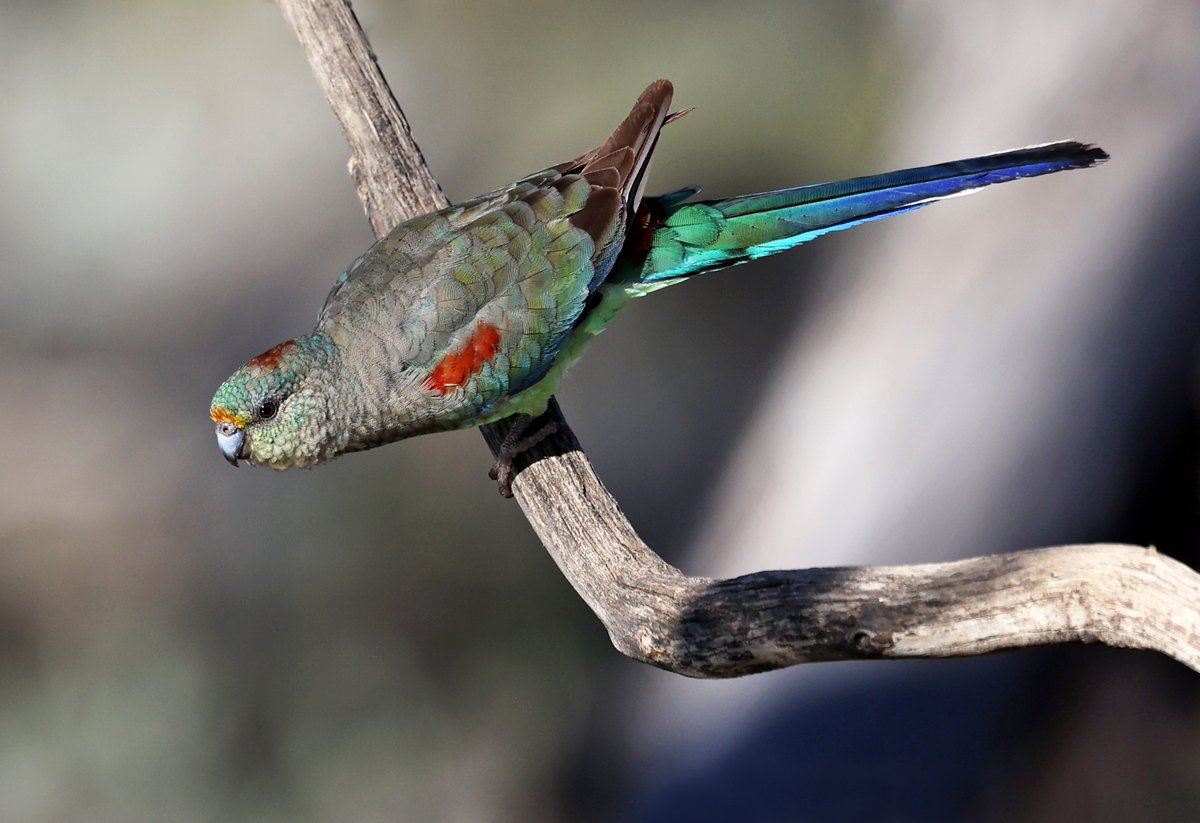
471 314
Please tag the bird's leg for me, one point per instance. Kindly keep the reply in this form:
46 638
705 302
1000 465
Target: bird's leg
516 443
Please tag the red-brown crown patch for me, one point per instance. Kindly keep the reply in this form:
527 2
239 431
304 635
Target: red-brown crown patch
269 360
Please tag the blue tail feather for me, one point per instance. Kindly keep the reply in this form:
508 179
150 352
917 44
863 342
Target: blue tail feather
682 239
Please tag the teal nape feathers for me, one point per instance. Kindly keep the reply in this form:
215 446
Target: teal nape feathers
473 313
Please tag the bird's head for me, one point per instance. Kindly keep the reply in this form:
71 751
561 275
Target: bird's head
272 411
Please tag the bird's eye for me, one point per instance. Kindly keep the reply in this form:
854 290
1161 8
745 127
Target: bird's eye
267 409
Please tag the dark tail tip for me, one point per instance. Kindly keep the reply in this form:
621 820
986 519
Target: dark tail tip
1088 154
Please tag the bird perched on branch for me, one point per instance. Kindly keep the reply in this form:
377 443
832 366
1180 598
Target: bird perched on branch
473 313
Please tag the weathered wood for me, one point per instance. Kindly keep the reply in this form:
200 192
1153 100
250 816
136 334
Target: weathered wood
1119 595
389 172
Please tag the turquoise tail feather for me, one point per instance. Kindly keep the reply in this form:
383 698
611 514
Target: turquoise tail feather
681 239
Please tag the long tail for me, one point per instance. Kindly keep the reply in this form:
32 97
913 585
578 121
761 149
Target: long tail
672 239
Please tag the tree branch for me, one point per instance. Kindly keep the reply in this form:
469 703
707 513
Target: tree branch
389 172
1119 595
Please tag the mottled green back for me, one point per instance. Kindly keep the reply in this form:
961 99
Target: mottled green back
456 311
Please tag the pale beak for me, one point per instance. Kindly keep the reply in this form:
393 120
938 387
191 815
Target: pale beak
232 441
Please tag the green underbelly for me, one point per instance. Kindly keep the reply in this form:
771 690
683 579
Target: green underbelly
533 400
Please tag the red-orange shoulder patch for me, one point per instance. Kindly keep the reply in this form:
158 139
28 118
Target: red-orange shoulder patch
454 369
271 357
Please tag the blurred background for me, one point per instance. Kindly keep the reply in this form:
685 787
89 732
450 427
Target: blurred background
383 639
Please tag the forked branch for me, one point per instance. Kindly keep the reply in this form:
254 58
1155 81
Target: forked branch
1119 595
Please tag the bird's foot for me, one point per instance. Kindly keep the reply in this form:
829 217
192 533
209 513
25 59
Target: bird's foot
516 443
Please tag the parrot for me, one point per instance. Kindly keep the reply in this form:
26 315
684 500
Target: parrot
472 314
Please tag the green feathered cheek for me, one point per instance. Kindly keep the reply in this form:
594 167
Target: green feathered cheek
291 440
274 449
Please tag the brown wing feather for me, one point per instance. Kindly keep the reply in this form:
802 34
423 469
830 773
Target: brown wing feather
615 168
597 216
621 160
604 178
636 132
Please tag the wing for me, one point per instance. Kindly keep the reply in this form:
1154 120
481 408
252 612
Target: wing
472 303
